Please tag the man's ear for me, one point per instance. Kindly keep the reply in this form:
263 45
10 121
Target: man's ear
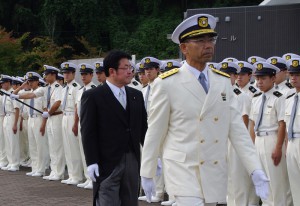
183 48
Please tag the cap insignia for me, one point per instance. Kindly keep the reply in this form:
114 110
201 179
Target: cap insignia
169 64
147 60
203 21
295 63
224 65
259 66
287 57
253 60
83 66
97 65
241 65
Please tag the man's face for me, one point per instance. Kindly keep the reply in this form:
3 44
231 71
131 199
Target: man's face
151 73
101 77
243 79
123 75
143 79
199 50
69 76
295 80
50 78
265 83
86 78
6 85
280 77
233 78
15 86
33 84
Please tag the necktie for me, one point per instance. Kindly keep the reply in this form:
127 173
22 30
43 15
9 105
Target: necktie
48 97
261 109
293 115
65 98
122 98
201 79
3 103
32 105
147 96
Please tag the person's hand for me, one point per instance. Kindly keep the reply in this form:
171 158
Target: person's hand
159 167
45 115
43 129
261 183
75 130
148 187
93 171
276 156
14 96
15 129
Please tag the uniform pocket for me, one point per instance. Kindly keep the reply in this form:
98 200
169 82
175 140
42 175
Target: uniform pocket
174 155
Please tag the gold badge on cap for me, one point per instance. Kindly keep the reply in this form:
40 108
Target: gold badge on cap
211 66
224 65
241 65
230 60
169 64
295 63
97 65
45 68
66 65
30 75
273 61
259 66
147 60
287 57
253 60
83 66
203 21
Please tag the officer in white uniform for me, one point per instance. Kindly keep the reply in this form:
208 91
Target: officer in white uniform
38 140
141 74
86 71
186 128
268 129
244 79
240 186
3 159
100 72
281 83
11 130
134 84
53 117
292 119
70 125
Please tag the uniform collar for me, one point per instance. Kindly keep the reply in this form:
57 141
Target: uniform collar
196 72
89 85
115 89
269 93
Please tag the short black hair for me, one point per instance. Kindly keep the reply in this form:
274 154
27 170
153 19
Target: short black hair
112 60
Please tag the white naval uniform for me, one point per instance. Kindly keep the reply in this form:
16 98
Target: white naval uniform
3 159
78 105
54 130
273 112
71 142
240 186
285 88
293 148
135 84
190 130
12 140
24 145
38 144
250 89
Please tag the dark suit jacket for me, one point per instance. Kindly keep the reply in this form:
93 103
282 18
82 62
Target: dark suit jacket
108 130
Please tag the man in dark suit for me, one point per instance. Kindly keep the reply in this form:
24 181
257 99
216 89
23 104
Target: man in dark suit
113 126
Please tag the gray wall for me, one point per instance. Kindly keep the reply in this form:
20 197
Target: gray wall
277 33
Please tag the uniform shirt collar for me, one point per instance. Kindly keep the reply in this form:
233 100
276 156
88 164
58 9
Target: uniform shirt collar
89 85
115 89
269 93
73 81
196 72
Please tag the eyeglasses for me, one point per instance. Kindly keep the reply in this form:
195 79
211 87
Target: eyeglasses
126 68
202 41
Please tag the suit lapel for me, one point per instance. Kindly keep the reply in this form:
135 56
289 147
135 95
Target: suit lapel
213 93
191 84
115 105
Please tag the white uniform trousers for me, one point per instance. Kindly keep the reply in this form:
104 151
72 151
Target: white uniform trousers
191 201
56 148
86 175
12 140
38 145
71 148
24 147
240 186
3 159
279 184
293 165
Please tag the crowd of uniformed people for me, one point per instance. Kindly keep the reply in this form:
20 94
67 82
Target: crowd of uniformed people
40 122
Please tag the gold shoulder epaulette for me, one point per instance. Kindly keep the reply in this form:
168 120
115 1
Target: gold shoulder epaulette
221 73
168 73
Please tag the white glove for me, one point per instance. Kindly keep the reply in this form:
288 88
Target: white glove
45 115
93 171
159 167
14 96
261 183
148 187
